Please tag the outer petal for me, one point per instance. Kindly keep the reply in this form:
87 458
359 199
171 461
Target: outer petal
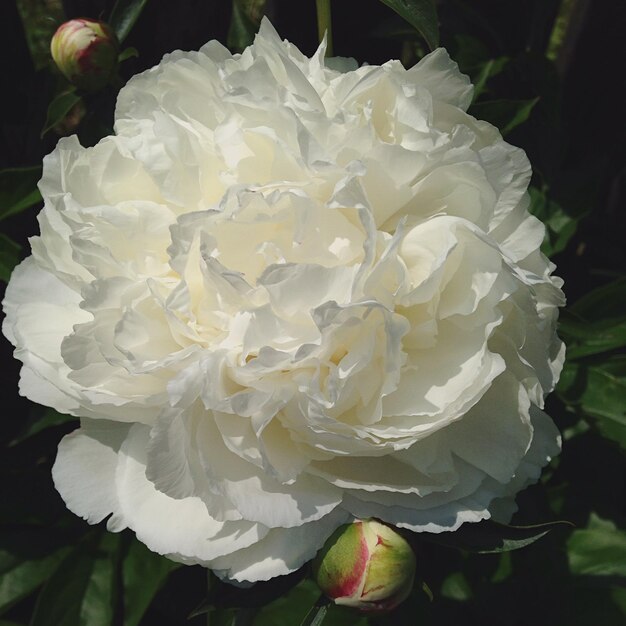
282 551
40 311
84 470
181 529
437 73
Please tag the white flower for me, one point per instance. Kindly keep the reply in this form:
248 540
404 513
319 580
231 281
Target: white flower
283 297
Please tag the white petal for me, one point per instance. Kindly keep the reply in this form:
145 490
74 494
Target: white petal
440 75
179 528
84 470
282 551
496 433
258 496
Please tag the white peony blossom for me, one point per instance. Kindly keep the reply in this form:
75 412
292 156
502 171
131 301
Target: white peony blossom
283 297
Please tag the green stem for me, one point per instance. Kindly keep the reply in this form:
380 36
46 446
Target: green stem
324 25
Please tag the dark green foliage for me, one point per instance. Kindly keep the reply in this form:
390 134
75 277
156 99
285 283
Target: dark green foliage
422 15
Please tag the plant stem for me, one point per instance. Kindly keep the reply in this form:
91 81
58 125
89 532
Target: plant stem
324 25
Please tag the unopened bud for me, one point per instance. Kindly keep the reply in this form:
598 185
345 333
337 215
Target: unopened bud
365 565
86 52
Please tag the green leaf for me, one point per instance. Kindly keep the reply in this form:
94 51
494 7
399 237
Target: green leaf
606 302
618 596
596 323
244 23
504 569
39 21
421 14
505 114
491 68
223 595
60 106
605 389
598 550
9 256
244 617
127 54
19 577
18 189
395 27
28 556
490 537
143 573
291 607
585 338
82 591
456 587
49 419
317 613
124 15
560 226
613 431
599 391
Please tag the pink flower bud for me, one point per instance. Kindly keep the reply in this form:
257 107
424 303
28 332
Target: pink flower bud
365 565
86 52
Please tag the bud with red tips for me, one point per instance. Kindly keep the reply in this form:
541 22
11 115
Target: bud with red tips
365 565
86 52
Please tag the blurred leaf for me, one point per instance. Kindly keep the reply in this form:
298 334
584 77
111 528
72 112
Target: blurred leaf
19 578
560 28
40 20
124 15
456 587
127 54
49 419
291 607
617 595
28 556
244 23
427 590
490 537
143 573
598 550
604 393
597 322
599 390
18 189
491 68
30 543
82 592
395 27
224 595
243 617
316 613
560 226
603 303
422 14
504 569
613 431
505 114
9 256
60 106
585 338
469 52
